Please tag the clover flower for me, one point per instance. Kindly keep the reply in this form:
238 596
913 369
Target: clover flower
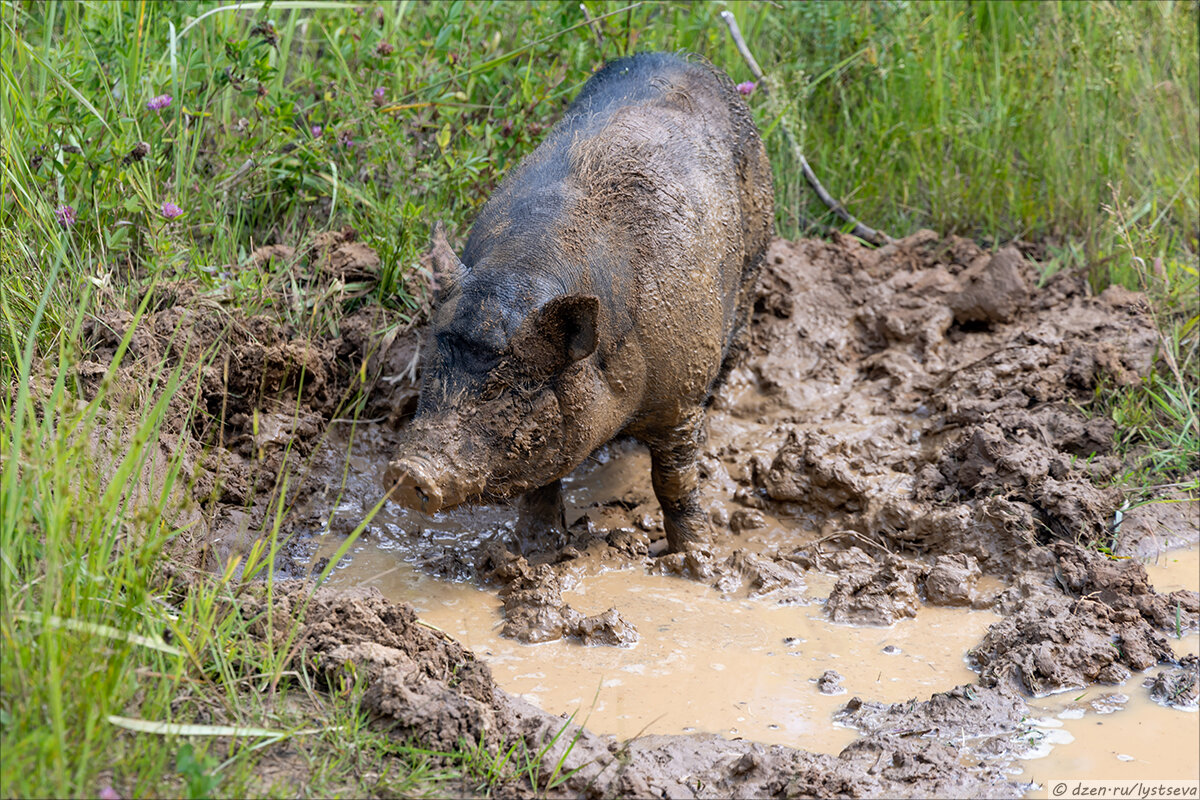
159 103
316 131
65 215
170 210
746 89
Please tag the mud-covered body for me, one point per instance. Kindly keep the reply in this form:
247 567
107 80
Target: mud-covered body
600 291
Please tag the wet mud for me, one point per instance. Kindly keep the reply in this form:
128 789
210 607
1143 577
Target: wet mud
904 436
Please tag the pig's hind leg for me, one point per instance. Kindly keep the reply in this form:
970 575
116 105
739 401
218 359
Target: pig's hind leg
676 481
541 520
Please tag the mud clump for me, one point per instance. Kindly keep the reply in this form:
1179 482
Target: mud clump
876 595
1179 687
420 682
830 682
534 610
965 711
951 581
761 576
993 289
1104 622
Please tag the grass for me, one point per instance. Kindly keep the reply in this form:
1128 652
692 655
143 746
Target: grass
1075 125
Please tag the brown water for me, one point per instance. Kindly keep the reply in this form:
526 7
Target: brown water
747 668
741 668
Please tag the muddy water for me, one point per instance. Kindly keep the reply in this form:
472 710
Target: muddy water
741 668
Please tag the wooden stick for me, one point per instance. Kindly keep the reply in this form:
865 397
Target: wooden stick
595 26
860 230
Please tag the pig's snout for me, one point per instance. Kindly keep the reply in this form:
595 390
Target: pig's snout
413 486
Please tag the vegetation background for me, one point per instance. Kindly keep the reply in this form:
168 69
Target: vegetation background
144 141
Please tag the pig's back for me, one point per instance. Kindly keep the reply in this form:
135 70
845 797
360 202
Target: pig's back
652 191
665 162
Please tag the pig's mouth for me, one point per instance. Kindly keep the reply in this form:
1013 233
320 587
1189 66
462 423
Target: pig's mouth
419 484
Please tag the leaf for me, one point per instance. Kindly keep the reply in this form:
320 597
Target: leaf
183 729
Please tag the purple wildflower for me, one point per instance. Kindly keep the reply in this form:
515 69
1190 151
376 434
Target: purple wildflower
380 93
65 215
109 793
746 89
346 140
316 131
170 210
159 103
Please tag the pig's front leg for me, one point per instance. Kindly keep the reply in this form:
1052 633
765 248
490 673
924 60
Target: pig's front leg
677 485
541 520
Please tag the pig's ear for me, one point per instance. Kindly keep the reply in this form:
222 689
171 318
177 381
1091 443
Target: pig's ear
561 332
447 269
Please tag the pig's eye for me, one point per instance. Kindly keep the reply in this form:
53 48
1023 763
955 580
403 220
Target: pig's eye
469 356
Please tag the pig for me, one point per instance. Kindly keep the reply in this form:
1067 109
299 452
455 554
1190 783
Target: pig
602 291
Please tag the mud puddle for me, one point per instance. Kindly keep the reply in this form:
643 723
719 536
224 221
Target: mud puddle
903 490
901 457
741 668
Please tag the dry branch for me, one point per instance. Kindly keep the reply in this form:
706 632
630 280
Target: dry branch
860 230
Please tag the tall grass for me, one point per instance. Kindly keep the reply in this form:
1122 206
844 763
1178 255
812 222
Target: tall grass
122 674
990 119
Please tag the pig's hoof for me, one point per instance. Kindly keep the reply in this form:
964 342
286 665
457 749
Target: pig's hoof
695 563
411 487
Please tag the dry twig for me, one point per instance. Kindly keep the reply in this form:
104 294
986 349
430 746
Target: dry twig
860 230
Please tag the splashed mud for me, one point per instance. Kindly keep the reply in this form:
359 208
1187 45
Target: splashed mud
902 487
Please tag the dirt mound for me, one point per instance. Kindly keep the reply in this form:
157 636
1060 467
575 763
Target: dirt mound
256 393
947 423
420 681
1177 688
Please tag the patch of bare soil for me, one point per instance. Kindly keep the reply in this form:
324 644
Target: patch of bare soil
913 412
256 394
